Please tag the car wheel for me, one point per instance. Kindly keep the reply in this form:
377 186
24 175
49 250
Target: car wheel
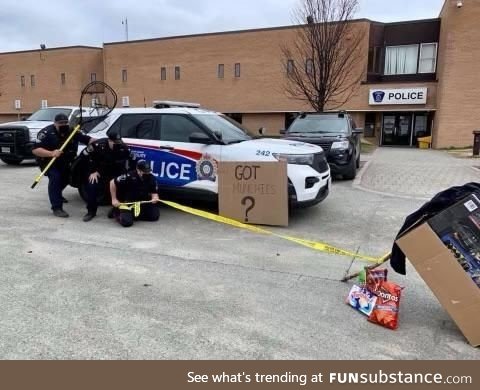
358 161
103 197
351 172
12 161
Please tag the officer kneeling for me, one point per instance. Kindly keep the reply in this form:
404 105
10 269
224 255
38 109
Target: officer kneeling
138 185
107 159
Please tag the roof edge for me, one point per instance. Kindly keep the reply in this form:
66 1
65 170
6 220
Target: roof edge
52 49
244 31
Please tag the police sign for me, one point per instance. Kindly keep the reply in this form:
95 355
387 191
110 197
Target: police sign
398 96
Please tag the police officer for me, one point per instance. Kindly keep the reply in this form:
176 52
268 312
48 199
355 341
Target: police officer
107 159
137 185
49 141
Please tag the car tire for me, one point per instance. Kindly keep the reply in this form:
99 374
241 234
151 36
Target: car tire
103 197
12 161
358 161
351 172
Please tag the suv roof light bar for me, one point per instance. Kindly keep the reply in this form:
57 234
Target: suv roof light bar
170 104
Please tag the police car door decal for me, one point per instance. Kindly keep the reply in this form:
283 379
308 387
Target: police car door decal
177 167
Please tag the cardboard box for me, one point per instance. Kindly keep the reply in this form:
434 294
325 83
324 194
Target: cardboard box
445 251
253 192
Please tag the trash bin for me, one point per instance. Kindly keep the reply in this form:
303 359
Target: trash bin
476 143
424 142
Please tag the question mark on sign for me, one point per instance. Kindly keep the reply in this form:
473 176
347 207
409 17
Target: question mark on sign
248 209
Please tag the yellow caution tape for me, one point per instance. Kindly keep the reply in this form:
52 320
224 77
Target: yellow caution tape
318 246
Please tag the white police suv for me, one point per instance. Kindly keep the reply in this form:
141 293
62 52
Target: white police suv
185 145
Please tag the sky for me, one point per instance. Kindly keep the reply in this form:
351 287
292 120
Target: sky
25 24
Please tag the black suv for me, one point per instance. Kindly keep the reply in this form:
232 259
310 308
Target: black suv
336 133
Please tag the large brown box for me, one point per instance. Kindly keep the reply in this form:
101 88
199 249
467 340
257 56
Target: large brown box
254 192
429 249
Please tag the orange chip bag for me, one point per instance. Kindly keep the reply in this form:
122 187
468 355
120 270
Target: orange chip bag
386 309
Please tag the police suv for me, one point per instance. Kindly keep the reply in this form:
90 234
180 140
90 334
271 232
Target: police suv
17 138
185 144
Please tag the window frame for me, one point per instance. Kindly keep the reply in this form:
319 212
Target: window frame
63 78
32 80
93 76
435 58
308 71
22 81
119 122
163 73
124 75
221 71
178 72
237 70
290 67
188 118
395 46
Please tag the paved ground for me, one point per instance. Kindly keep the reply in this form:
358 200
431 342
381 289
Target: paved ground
187 288
415 173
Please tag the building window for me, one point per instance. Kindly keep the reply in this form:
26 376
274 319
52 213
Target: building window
237 70
163 73
63 79
177 73
221 71
309 66
22 81
374 59
428 58
290 67
32 80
236 117
401 59
124 75
93 77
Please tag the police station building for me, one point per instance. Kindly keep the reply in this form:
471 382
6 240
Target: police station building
419 78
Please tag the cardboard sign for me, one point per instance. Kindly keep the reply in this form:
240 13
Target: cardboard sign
445 251
254 192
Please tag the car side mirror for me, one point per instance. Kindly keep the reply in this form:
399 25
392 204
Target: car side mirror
24 118
200 138
283 131
261 131
358 131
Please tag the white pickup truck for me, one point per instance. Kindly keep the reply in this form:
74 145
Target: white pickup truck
17 138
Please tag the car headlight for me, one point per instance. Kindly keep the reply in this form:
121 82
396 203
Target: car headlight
341 145
300 159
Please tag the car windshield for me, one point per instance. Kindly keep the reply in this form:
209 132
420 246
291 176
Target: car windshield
48 114
230 131
319 124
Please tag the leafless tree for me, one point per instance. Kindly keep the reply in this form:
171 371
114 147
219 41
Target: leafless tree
322 61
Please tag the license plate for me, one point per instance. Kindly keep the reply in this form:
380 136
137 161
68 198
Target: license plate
5 149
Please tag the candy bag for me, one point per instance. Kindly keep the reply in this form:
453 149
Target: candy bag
374 277
385 312
361 299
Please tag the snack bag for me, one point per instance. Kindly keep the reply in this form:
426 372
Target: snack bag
361 299
374 277
387 306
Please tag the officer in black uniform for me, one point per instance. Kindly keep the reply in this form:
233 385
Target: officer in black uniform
107 159
49 141
137 185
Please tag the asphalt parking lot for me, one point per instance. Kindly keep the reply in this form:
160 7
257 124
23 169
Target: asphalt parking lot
188 288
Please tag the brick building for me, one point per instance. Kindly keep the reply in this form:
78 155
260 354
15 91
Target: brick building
418 77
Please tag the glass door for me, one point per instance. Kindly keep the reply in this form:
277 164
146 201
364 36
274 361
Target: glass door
397 129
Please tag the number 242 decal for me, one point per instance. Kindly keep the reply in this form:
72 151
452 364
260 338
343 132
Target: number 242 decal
265 153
